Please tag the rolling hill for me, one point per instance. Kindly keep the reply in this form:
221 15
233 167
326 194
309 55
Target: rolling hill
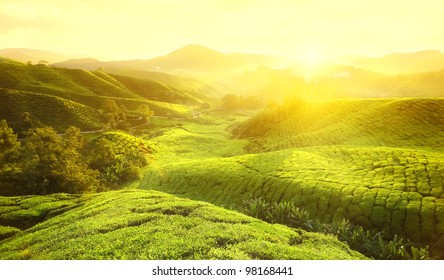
364 122
159 91
377 162
252 74
78 95
399 63
25 55
68 113
137 224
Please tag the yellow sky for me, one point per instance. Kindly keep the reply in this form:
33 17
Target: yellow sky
296 28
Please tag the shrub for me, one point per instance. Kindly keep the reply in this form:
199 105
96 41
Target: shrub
369 242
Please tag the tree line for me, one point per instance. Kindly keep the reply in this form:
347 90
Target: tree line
44 162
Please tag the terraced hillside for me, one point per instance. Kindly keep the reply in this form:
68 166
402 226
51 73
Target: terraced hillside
137 224
75 96
64 112
165 92
124 143
378 163
66 82
363 122
58 81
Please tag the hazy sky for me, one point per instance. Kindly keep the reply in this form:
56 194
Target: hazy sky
145 28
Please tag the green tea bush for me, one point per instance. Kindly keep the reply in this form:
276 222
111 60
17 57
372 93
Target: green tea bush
137 224
371 243
8 231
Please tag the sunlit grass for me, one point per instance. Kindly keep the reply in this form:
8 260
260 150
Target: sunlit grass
141 224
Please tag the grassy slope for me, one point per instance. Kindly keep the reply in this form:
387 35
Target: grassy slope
166 92
362 122
63 112
137 224
44 79
73 95
378 163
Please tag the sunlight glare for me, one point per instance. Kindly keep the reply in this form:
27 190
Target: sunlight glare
310 57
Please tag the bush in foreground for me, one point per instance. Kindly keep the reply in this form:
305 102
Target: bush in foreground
369 242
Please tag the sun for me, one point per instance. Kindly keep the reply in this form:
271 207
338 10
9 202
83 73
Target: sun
310 60
310 57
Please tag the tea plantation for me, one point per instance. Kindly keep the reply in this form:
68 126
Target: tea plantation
351 161
137 224
375 163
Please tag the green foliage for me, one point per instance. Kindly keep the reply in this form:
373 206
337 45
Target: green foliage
51 163
47 162
285 213
7 231
145 112
9 153
118 157
74 96
165 90
137 224
375 184
24 110
20 213
372 122
369 242
8 140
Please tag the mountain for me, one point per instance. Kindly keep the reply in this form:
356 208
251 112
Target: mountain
397 63
339 81
80 63
25 55
189 60
199 59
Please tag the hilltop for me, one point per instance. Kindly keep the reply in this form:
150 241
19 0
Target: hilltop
190 60
137 224
25 55
360 122
399 63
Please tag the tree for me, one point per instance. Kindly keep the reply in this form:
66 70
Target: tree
8 140
110 106
27 122
123 111
205 106
9 151
115 168
50 163
145 112
230 102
